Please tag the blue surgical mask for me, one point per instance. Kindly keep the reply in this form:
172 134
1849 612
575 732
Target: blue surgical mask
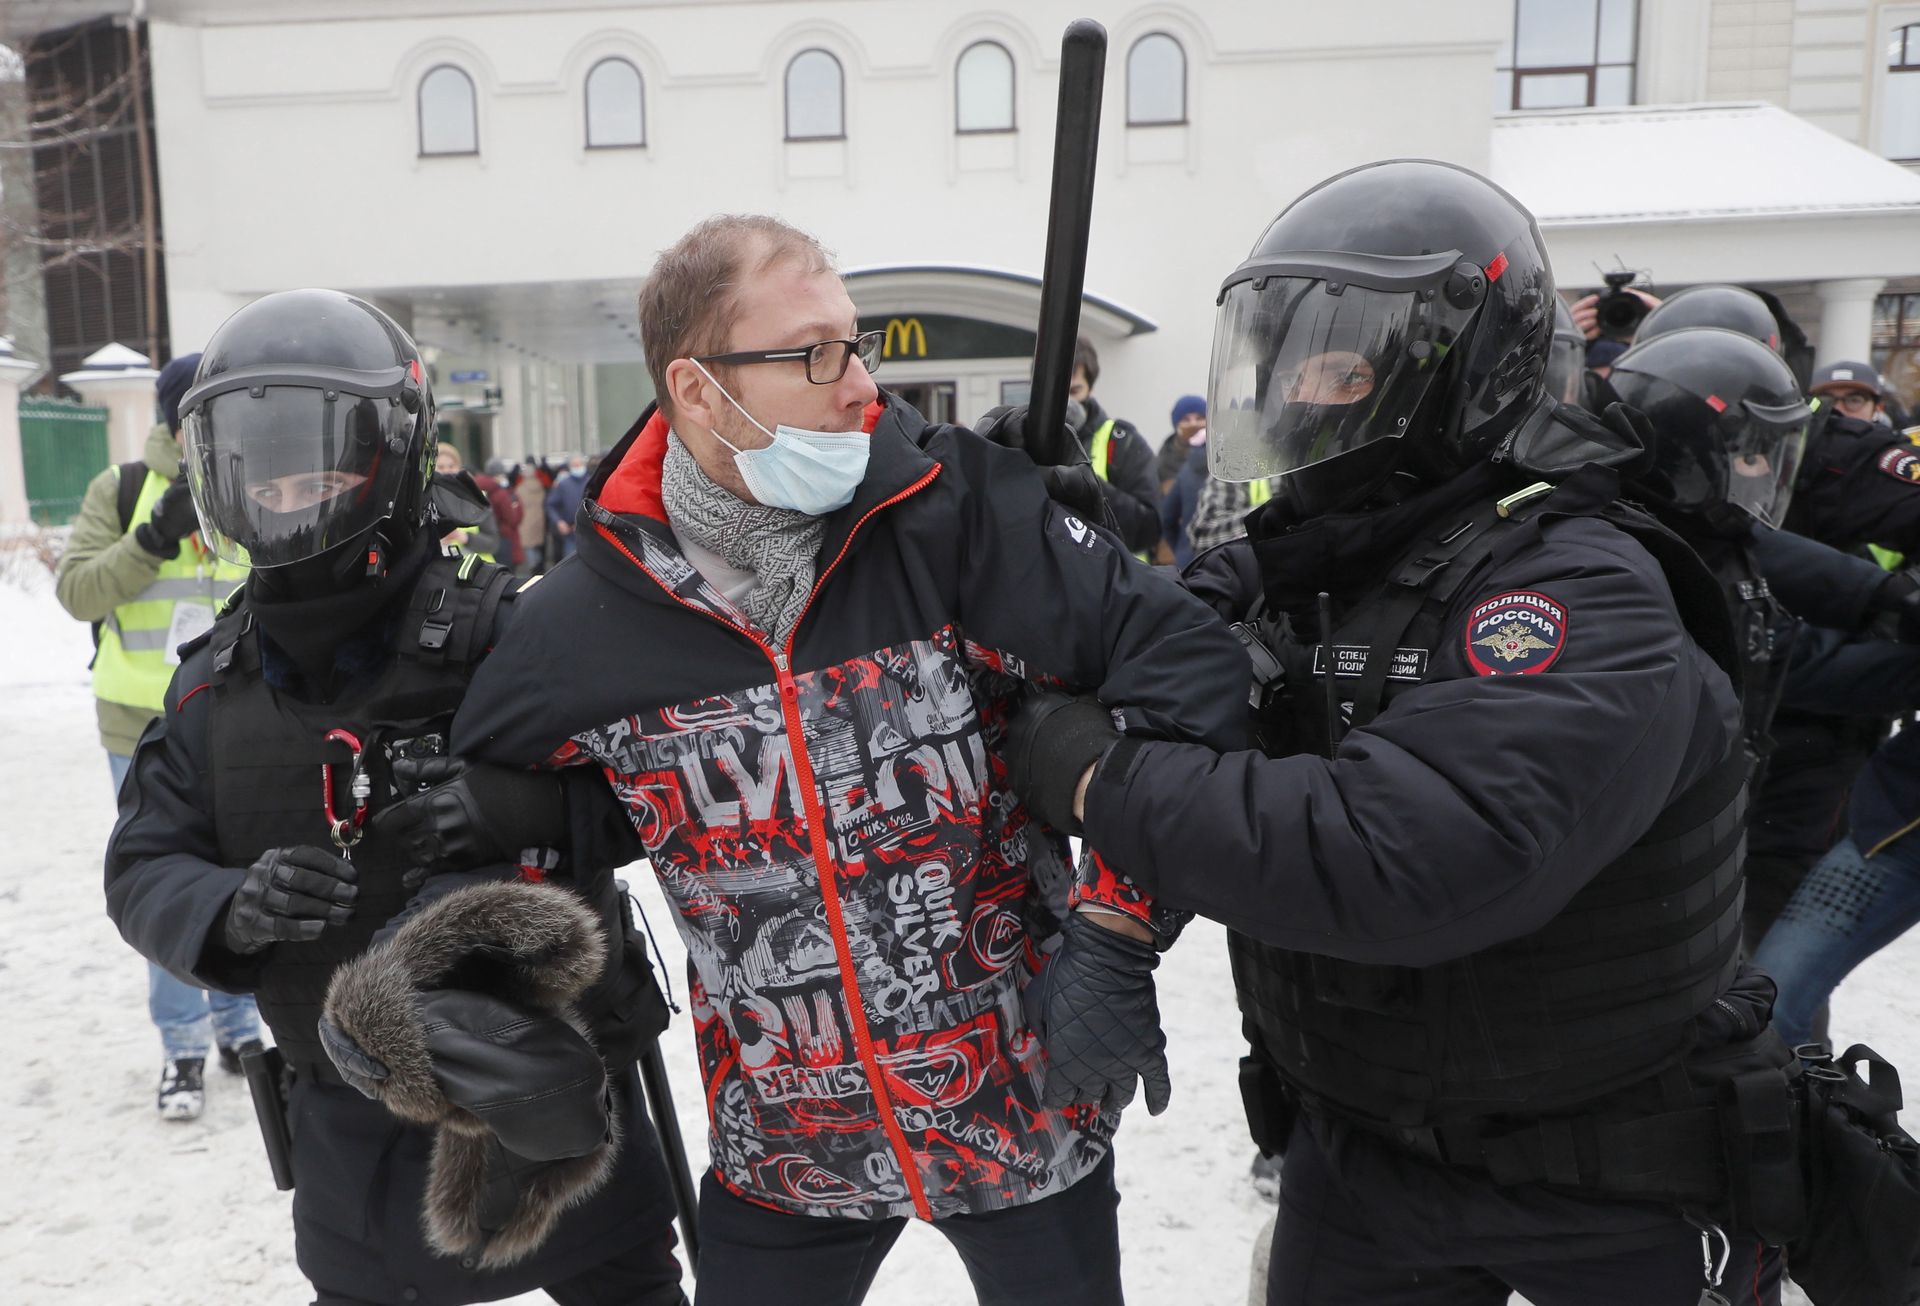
814 472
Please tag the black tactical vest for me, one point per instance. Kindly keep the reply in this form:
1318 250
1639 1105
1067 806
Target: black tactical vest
269 750
1601 997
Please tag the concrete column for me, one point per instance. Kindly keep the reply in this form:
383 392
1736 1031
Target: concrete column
14 373
1846 320
121 381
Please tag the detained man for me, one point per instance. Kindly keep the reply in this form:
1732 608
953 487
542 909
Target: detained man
800 620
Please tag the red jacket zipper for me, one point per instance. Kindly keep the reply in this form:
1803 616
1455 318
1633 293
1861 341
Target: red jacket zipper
817 833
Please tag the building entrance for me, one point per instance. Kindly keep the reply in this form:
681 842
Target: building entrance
933 399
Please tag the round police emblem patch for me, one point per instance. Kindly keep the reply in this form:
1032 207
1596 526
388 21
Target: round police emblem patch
1901 462
1515 634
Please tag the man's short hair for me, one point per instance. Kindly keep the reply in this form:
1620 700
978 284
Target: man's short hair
1086 360
689 304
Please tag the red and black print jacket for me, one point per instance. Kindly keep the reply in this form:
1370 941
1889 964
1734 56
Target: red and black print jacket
861 895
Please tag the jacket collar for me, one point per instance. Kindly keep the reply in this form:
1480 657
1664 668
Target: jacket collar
624 494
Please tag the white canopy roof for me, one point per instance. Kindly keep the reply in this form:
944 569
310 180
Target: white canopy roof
1716 192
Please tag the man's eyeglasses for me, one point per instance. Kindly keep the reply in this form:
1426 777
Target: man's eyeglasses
826 361
1856 399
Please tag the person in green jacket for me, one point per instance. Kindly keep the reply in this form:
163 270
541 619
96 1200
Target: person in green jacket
136 567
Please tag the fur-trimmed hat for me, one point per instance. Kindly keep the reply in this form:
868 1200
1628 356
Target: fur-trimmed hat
470 1008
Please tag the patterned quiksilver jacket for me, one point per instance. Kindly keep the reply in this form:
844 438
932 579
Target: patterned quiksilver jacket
861 895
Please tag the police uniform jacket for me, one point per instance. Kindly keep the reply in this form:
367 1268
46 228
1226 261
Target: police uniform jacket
1859 484
360 1173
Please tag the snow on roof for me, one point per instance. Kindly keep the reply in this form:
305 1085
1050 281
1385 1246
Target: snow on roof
1667 163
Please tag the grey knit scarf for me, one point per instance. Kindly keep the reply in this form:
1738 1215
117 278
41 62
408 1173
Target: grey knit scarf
778 545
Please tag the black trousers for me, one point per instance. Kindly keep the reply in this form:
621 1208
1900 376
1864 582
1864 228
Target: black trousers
638 1276
1324 1254
1063 1250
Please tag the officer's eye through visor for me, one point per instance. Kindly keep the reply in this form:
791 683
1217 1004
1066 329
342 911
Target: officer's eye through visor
284 467
1319 354
1763 456
826 360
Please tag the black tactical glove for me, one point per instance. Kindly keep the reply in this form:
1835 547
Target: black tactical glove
1052 741
290 895
1072 485
1899 595
173 520
1094 1010
356 1065
469 814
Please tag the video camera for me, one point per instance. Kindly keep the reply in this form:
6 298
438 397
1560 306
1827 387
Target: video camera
1618 311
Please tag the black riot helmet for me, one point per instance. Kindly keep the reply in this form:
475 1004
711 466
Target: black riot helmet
1395 318
1566 357
1730 424
308 432
1732 308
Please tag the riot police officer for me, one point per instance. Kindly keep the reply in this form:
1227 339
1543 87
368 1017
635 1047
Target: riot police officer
254 854
1483 875
1729 430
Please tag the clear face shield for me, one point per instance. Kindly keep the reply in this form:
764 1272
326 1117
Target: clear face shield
1312 361
1566 368
284 468
1763 458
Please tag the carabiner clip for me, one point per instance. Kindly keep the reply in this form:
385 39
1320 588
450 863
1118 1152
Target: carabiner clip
346 831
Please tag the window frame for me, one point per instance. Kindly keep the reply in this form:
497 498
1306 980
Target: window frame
420 114
1516 73
1013 91
586 105
786 96
1909 66
1185 96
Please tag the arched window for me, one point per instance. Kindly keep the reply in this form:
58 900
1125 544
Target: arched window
983 89
448 121
1900 138
816 98
1156 81
616 106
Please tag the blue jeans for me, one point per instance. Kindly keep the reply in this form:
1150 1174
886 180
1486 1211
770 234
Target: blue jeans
1848 908
187 1017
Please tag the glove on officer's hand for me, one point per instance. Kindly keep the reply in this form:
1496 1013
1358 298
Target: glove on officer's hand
289 896
1094 1009
1072 485
1052 741
469 814
1899 595
173 520
356 1065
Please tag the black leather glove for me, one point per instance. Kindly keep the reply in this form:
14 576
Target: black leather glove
1051 742
533 1079
173 520
356 1065
290 895
469 814
1072 485
1899 595
1094 1009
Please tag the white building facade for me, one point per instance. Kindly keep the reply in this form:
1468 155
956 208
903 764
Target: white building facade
501 175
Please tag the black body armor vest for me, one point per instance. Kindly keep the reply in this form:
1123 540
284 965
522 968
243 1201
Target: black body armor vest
1758 620
1601 997
269 750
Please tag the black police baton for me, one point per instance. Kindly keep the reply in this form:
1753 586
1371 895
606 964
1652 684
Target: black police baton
1076 147
653 1078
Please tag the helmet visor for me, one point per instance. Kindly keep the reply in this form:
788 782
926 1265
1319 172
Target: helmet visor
281 473
1306 369
1763 457
1566 367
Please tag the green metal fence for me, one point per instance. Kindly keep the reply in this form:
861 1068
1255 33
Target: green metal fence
63 445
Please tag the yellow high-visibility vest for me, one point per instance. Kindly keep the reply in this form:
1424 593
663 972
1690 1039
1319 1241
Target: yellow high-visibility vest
1102 435
136 656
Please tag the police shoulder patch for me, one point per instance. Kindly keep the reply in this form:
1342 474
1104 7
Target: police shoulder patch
1515 634
1901 462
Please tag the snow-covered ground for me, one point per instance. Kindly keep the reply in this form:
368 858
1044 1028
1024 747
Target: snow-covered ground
101 1202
